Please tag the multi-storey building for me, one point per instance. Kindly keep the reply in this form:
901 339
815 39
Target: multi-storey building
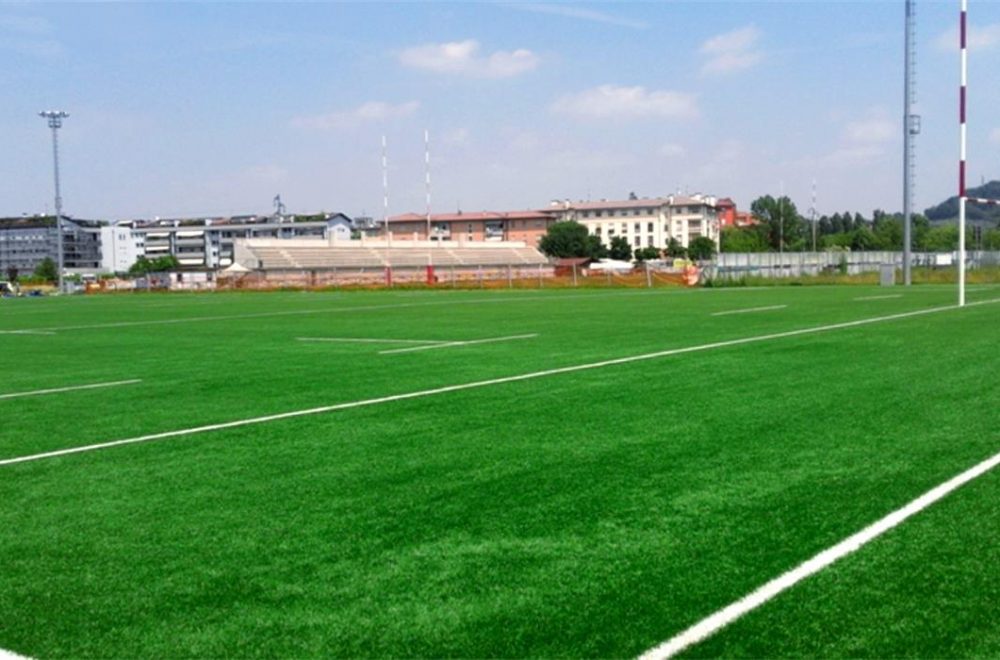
649 222
26 241
208 243
525 226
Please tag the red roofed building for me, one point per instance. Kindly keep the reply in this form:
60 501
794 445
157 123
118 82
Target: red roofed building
525 226
728 216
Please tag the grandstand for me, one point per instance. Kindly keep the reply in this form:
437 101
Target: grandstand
321 262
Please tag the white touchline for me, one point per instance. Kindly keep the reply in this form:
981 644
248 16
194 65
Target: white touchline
712 624
751 309
481 383
371 340
26 332
894 295
448 344
71 388
10 655
524 295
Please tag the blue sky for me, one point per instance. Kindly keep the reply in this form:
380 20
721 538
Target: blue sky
213 108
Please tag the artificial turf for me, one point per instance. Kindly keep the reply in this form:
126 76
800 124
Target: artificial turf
591 513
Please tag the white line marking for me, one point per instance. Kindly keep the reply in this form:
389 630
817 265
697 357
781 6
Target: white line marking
449 344
749 310
371 340
10 655
56 390
712 624
483 383
894 295
523 296
26 332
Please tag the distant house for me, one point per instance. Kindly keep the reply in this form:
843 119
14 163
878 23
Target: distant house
525 226
645 222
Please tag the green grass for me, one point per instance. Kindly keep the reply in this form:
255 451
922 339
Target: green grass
593 513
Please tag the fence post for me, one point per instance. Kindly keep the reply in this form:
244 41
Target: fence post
649 277
510 277
540 286
574 275
480 275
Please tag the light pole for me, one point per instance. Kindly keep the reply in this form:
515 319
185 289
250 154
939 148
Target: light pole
55 118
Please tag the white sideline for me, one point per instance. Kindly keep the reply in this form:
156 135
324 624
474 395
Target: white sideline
10 655
481 383
372 340
712 624
71 388
892 295
26 332
359 308
449 344
749 310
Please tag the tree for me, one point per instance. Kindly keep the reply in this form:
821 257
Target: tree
620 249
701 248
144 266
862 239
12 273
743 239
647 253
570 239
781 220
47 270
675 249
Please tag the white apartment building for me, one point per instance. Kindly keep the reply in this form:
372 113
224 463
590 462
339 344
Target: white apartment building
650 222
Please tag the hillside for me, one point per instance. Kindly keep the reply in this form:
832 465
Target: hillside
976 214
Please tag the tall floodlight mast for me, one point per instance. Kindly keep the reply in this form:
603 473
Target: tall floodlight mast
427 177
55 118
911 127
961 153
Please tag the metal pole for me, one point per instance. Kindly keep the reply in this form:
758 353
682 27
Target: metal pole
961 156
910 129
55 118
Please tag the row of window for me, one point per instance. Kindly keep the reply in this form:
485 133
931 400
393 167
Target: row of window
624 213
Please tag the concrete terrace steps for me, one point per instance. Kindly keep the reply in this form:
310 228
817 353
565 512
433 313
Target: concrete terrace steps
324 257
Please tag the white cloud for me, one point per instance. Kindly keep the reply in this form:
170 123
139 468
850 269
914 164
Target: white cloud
582 14
979 37
366 112
731 51
864 140
995 136
611 101
464 58
672 150
28 35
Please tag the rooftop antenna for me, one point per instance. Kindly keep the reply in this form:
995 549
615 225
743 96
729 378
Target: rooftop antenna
911 127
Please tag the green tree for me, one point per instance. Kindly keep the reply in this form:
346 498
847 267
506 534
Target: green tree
141 266
941 239
647 253
991 239
570 239
12 274
781 221
47 270
675 249
862 238
620 249
701 248
743 239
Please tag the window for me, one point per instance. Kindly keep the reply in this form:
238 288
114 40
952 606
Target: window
624 227
600 213
637 228
649 227
637 241
649 241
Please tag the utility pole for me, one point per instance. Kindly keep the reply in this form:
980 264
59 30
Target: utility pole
911 127
55 118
